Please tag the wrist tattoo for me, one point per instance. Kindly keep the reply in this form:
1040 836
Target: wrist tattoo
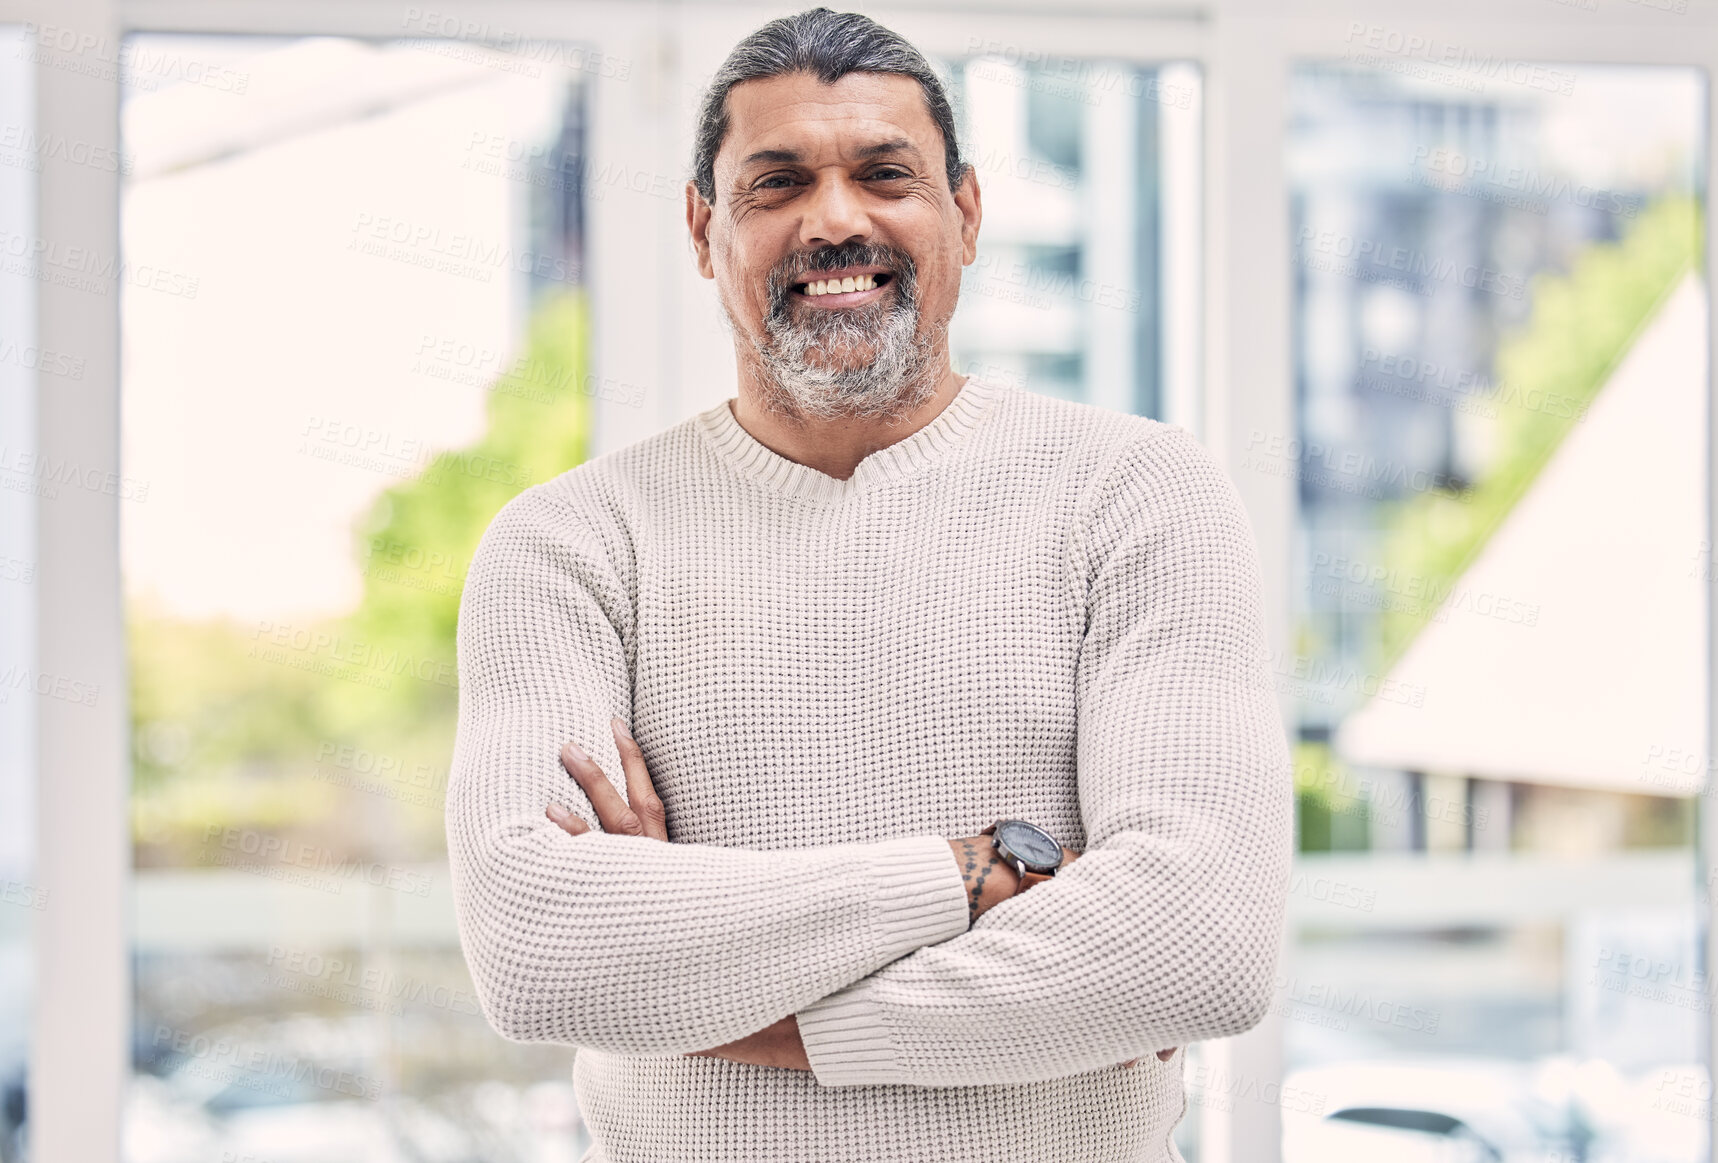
977 868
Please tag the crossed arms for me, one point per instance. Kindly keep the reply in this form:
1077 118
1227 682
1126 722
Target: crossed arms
989 880
1164 933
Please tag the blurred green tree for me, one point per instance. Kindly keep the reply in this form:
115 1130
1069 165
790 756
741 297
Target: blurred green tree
231 730
1547 376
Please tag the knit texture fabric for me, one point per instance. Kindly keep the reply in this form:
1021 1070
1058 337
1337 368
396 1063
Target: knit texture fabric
1028 608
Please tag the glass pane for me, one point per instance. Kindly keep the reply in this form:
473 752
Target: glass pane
22 366
356 328
1499 661
1087 271
1087 280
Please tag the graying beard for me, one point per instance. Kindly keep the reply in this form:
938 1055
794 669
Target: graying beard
899 377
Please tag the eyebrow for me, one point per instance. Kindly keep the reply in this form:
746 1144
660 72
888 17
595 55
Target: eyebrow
876 149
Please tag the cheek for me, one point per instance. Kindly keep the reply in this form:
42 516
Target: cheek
948 264
748 297
750 285
943 283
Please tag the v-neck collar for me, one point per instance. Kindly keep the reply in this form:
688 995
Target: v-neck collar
906 456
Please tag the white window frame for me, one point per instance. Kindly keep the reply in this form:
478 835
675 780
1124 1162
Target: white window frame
80 1044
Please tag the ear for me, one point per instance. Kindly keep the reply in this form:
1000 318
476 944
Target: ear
967 201
698 225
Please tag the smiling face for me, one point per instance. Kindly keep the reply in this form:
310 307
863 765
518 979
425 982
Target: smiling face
816 182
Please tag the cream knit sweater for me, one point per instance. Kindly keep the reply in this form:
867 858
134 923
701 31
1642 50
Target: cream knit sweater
1027 608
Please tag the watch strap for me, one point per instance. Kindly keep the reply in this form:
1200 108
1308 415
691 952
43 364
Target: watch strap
1028 879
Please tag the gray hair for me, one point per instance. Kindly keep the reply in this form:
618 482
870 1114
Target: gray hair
829 45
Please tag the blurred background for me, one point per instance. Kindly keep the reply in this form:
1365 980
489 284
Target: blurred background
294 298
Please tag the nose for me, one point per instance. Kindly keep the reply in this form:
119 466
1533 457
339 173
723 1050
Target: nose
834 213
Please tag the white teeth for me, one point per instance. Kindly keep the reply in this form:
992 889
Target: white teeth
841 286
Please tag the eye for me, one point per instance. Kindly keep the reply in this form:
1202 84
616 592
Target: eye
764 185
896 170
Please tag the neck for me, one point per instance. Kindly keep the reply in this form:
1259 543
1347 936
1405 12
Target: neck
835 446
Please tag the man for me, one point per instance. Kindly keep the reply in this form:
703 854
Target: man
743 704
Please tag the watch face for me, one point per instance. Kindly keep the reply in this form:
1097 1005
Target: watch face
1030 843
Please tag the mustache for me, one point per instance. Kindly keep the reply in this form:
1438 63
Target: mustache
829 258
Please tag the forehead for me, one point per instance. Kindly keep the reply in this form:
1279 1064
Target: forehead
826 123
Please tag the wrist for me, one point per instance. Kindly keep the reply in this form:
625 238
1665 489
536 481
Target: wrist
990 880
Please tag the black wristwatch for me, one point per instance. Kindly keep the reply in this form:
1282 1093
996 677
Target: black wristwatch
1034 853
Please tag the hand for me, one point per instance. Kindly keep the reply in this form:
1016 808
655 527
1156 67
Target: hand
778 1045
640 814
1162 1056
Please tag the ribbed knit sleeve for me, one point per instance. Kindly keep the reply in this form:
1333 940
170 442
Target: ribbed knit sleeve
622 943
1166 930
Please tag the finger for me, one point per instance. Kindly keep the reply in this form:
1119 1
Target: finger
640 791
567 821
612 813
1129 1063
1166 1055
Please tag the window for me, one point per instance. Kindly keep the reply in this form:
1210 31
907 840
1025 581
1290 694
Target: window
23 371
1086 280
298 377
363 329
1500 463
